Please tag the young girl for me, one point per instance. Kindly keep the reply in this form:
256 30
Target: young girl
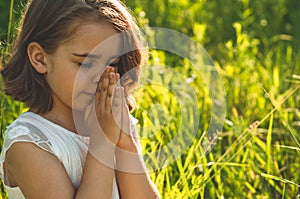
77 139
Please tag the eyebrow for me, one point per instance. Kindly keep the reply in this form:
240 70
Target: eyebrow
86 55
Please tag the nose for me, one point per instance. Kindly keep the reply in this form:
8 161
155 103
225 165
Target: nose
96 75
96 78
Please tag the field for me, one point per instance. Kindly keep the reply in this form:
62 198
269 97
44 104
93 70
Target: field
223 129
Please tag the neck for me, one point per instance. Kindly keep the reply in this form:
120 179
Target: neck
62 117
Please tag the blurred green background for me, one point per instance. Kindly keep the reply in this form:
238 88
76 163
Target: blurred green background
255 47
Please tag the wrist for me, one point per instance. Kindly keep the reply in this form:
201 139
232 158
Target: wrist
127 143
103 150
129 161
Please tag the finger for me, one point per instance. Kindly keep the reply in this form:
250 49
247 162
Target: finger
101 90
103 93
116 106
104 74
125 126
112 84
118 79
100 85
123 111
117 96
110 90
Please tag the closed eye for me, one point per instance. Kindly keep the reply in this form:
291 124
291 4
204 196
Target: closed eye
86 64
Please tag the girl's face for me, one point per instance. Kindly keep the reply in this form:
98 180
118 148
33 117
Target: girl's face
76 66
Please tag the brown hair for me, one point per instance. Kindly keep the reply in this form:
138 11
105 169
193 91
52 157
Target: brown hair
52 22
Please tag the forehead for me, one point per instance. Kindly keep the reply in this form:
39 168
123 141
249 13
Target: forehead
96 38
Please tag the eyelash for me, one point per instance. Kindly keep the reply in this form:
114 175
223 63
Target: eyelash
86 65
90 64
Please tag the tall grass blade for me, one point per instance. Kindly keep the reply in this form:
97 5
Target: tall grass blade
9 30
279 179
269 140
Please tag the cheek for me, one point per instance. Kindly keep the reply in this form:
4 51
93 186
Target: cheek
82 83
88 78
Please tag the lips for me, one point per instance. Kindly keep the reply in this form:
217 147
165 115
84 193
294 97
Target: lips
90 96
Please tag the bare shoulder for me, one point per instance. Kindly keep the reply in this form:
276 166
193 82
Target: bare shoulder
37 172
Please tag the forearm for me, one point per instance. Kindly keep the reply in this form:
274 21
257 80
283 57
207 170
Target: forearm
98 175
132 177
96 181
98 172
137 186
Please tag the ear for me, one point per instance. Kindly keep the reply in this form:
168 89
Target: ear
37 57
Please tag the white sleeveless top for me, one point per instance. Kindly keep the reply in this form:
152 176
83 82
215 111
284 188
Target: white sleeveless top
69 148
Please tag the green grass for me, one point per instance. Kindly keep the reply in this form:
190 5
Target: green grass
257 155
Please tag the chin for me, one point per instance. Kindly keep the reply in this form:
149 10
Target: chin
81 103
